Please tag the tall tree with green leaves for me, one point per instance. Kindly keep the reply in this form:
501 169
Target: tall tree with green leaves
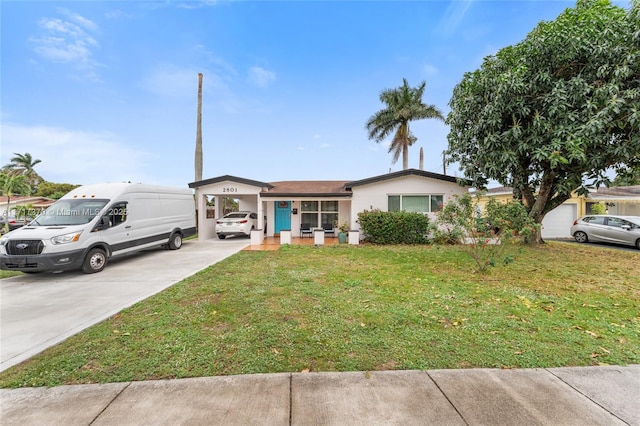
12 184
629 176
54 190
24 164
403 105
552 114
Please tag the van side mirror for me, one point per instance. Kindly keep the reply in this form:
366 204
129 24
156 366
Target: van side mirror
103 223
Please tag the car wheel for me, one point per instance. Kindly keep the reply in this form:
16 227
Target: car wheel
95 261
638 243
222 237
175 242
581 237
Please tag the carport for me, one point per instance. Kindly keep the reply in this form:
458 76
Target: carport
209 196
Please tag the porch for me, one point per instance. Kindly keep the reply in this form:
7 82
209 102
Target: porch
273 243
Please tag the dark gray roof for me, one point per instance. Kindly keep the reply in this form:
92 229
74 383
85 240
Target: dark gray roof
403 173
322 188
231 178
620 191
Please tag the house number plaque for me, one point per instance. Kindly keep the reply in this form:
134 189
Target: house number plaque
230 189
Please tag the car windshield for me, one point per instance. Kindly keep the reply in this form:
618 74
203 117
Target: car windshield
235 215
70 212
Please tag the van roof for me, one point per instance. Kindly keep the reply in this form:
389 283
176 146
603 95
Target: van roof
112 190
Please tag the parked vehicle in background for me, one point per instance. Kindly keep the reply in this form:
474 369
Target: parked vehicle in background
236 223
608 229
92 223
14 223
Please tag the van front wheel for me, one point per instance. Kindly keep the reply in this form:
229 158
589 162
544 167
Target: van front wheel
95 261
175 242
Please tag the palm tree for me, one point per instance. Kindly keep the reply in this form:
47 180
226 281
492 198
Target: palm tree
24 164
404 104
10 184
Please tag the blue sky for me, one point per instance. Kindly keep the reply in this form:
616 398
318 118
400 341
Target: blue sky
106 91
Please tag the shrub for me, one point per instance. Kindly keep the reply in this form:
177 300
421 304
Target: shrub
484 237
399 227
598 208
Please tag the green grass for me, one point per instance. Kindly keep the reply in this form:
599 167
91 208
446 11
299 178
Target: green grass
7 274
362 308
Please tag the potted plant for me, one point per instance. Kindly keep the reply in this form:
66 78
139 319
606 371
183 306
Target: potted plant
343 229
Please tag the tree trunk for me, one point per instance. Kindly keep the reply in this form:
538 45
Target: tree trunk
405 157
198 157
543 202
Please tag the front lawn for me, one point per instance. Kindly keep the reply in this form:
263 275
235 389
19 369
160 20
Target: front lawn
348 308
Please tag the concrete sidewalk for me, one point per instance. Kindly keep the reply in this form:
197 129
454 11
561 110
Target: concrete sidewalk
554 396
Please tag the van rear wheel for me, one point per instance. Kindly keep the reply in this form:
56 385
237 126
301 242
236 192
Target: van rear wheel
175 242
95 261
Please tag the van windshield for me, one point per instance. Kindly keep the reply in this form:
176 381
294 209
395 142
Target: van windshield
70 212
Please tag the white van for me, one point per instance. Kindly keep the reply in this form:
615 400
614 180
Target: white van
90 224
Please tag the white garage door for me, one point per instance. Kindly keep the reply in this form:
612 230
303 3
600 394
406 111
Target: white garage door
557 223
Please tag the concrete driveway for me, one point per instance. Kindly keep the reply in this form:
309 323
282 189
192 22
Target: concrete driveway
611 246
40 310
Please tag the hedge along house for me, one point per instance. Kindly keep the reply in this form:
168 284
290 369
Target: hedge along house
286 205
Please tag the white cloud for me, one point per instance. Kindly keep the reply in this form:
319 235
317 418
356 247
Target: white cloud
196 5
174 82
75 156
181 84
67 40
82 21
453 16
430 70
261 77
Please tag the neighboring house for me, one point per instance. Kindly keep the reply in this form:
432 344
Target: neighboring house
624 200
620 200
36 203
285 205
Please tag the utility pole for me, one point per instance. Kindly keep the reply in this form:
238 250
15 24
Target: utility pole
421 159
198 158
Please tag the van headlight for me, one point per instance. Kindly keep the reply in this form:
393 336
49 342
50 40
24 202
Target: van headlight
66 238
4 240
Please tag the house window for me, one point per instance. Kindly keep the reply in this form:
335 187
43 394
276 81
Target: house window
309 211
318 213
415 203
328 213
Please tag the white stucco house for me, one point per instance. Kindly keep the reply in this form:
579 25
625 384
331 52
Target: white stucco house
286 205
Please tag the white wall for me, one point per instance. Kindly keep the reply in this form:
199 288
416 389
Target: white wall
625 208
248 199
375 195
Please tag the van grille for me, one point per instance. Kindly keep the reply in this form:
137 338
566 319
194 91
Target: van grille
24 247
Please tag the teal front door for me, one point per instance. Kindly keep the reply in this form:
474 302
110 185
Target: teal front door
283 216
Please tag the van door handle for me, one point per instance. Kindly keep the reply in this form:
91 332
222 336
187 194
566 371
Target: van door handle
127 227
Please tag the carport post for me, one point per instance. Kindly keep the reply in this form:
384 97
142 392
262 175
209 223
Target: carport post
202 215
257 236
